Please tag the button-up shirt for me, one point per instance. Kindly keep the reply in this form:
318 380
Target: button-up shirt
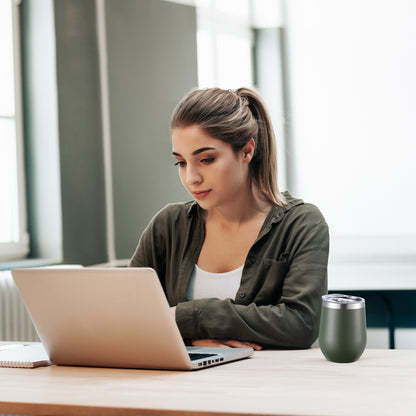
284 277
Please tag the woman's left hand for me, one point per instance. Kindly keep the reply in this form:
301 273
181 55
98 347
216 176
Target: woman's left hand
231 343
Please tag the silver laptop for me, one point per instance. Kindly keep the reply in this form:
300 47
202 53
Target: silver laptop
110 318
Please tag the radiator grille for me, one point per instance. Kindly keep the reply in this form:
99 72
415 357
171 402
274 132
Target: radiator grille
15 323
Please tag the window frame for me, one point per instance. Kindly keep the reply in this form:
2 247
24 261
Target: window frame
19 249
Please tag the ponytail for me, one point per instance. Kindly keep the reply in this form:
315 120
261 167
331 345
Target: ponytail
235 117
264 162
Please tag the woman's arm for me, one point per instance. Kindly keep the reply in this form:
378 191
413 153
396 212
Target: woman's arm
221 342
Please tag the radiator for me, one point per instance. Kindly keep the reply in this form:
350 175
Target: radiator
15 323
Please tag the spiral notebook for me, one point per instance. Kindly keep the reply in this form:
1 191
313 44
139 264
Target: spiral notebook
23 356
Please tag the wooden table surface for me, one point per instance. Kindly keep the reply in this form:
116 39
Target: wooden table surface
382 382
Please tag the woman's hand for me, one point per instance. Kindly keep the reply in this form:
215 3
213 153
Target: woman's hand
225 343
230 343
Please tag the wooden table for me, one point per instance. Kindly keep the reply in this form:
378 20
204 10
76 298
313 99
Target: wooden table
382 382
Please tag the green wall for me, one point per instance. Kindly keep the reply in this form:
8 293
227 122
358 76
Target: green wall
152 63
80 134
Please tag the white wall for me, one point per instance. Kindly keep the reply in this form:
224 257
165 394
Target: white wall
353 89
352 107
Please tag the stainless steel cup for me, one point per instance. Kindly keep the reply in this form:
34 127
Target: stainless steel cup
343 329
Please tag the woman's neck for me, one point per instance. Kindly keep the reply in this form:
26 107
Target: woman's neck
230 231
248 207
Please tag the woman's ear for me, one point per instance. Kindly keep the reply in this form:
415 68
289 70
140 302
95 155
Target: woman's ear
248 150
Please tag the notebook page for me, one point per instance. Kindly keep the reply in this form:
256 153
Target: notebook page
27 356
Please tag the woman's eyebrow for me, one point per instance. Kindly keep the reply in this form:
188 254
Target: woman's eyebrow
195 152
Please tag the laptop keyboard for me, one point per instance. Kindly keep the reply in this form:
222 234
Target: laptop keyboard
198 355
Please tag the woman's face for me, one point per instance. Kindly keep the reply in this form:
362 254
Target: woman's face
209 168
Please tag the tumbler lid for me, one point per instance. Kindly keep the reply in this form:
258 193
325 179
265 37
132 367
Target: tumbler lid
338 301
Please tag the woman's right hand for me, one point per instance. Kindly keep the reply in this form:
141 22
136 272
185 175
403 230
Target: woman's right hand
230 343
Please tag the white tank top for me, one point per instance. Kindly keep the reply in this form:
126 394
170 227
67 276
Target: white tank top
204 284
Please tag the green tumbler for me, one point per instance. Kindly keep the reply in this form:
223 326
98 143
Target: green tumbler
343 329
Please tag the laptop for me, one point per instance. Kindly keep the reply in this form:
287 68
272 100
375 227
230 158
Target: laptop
110 317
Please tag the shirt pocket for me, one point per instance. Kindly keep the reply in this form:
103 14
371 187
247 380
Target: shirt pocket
272 275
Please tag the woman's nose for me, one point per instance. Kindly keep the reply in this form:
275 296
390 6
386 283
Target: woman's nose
193 176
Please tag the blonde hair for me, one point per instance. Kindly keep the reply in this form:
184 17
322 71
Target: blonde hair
235 117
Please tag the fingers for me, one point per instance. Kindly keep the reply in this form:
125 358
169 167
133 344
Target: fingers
256 347
225 343
242 344
208 343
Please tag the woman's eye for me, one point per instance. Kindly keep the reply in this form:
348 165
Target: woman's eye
180 164
208 160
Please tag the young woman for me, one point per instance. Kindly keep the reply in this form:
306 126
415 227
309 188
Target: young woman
242 264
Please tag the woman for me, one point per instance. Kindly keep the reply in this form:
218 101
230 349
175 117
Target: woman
243 264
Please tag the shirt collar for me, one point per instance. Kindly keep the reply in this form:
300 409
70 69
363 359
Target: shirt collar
277 213
192 208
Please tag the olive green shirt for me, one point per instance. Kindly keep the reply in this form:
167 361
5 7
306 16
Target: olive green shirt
279 300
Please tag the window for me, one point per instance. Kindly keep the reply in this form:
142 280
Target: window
353 89
13 236
224 39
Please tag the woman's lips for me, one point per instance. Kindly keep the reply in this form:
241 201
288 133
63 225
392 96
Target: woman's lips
201 194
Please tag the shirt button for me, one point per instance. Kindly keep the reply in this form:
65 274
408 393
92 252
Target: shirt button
242 294
251 258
